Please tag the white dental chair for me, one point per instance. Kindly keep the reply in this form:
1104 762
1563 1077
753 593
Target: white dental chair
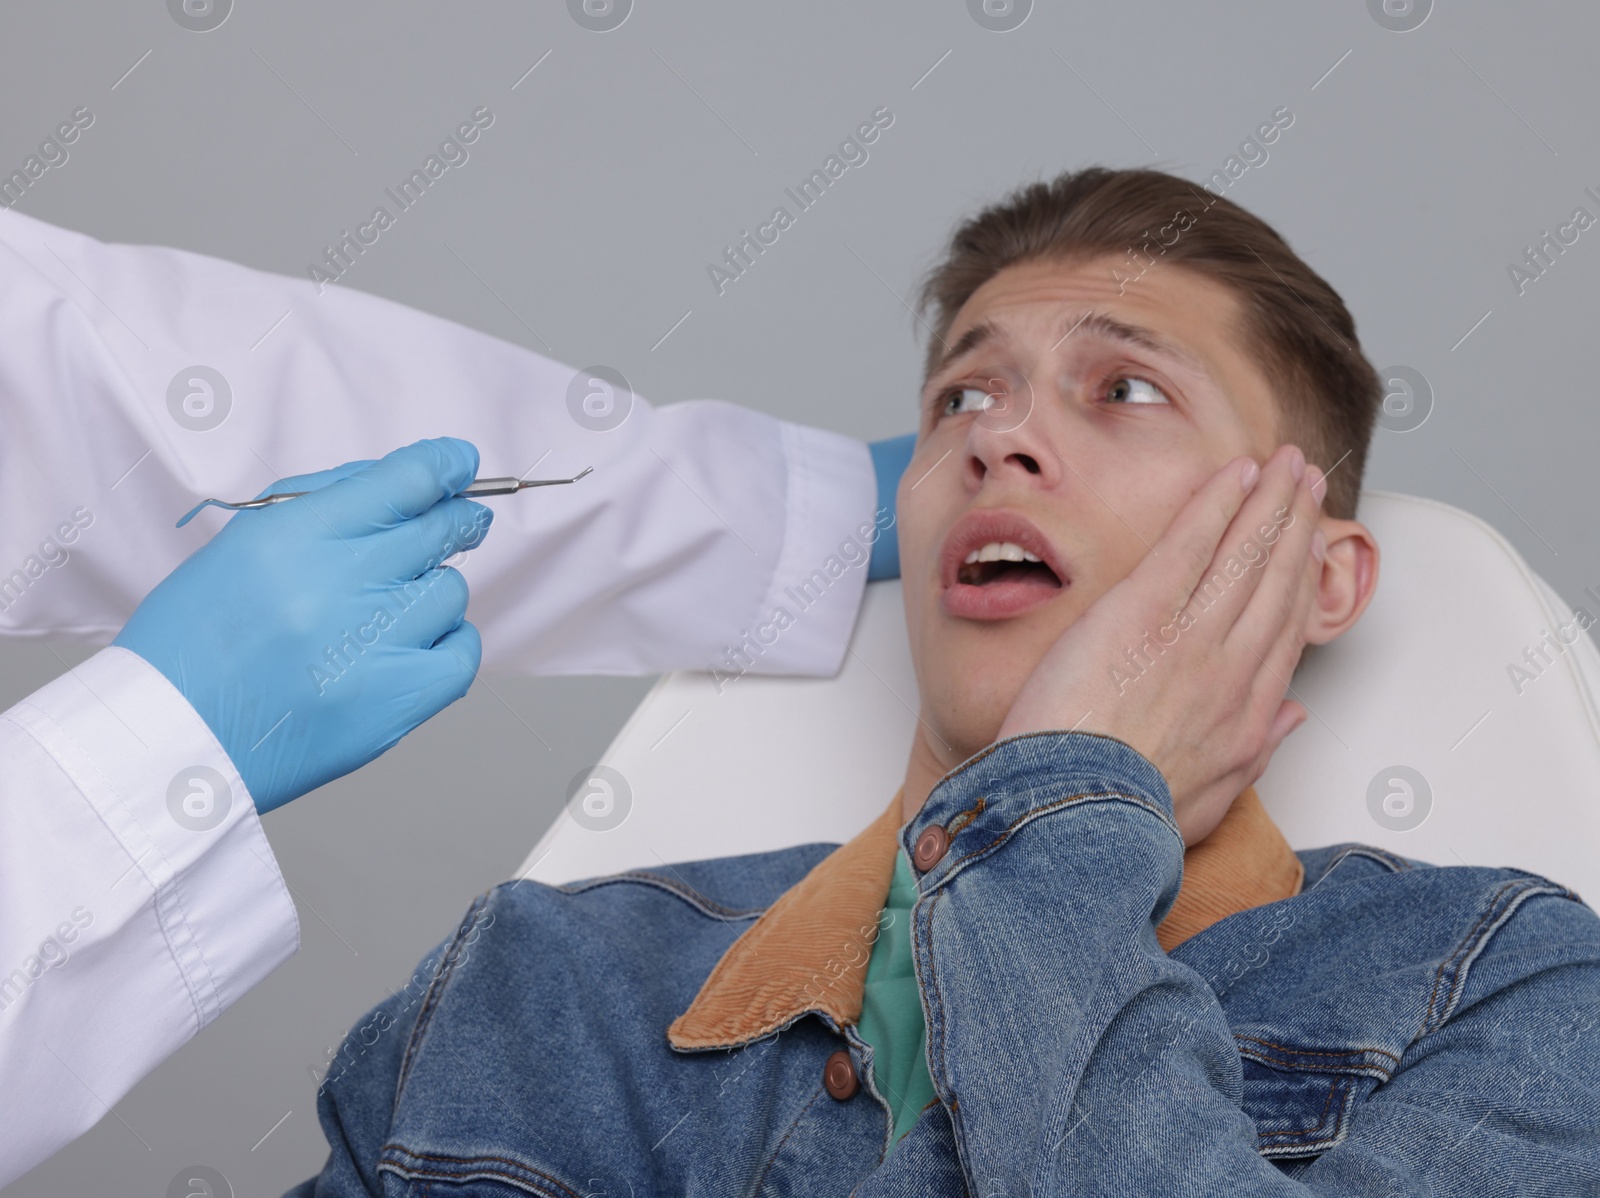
1418 739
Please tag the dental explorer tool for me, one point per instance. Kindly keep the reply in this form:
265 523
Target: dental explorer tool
477 487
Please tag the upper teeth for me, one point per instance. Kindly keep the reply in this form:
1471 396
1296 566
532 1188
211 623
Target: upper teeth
1000 551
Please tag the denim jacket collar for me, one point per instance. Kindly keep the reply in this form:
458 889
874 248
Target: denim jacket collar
808 952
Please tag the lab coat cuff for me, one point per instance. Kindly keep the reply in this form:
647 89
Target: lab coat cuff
815 592
163 786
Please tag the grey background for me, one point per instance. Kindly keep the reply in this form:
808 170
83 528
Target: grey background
1418 167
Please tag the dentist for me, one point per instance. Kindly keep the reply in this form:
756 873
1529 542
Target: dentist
251 658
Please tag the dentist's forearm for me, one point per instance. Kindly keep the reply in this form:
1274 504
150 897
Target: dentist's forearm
140 379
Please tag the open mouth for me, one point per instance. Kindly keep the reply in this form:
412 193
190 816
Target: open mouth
1005 561
998 564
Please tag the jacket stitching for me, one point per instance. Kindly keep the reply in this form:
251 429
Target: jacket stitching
686 893
1044 809
474 1163
1465 942
943 1069
967 816
436 987
1340 1089
772 1159
1381 856
933 984
968 764
1306 1052
1494 916
1327 1103
1377 1072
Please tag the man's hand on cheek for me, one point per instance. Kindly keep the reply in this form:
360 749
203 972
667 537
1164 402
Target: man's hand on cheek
1188 659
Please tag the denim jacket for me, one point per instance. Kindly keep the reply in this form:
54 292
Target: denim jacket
1394 1029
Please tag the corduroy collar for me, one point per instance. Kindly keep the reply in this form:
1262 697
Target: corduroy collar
809 950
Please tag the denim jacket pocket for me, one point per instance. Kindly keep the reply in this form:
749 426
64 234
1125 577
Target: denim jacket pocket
1304 1098
491 1174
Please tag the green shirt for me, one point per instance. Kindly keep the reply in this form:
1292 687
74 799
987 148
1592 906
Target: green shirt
891 1008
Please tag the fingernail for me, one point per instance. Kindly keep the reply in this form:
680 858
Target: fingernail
1319 484
1319 544
1297 463
1250 473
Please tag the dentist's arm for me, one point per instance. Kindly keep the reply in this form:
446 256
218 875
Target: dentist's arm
138 896
138 379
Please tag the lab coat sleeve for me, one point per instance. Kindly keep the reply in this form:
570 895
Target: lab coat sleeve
138 896
136 380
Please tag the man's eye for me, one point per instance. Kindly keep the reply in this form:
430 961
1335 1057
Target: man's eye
964 399
1131 390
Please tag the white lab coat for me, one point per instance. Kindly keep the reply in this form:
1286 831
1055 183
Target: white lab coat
123 932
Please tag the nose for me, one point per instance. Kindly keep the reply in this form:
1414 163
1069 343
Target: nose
1009 442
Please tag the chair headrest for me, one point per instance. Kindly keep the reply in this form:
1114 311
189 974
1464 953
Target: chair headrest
1437 730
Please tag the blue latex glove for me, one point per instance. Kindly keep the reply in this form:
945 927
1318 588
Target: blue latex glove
889 460
312 635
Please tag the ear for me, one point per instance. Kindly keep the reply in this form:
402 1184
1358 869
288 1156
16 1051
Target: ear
1349 578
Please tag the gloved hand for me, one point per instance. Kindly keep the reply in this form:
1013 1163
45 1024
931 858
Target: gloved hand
311 635
889 460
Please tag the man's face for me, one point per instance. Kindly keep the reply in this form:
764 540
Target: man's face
1108 412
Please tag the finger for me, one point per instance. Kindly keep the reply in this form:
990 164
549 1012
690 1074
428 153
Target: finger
425 683
1280 659
398 486
316 479
1282 580
454 661
1185 551
425 542
429 607
1240 558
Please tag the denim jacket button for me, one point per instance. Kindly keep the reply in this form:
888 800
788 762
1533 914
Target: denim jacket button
839 1077
930 848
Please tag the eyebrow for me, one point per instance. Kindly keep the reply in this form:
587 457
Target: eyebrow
1093 324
